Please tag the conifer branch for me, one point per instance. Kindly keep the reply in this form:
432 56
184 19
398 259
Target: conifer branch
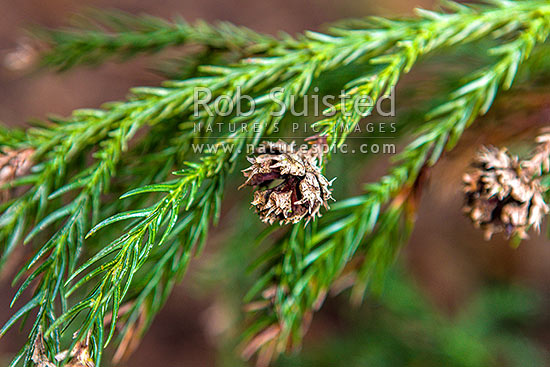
312 259
113 34
439 30
161 222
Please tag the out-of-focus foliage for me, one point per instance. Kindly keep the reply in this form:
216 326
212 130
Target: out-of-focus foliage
102 35
402 328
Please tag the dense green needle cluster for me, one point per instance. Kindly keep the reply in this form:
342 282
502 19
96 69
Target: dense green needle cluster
93 277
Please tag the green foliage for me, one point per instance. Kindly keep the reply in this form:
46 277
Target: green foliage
84 270
104 35
311 259
402 328
398 327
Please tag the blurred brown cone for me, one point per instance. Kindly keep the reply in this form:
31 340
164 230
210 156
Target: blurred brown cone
502 195
13 164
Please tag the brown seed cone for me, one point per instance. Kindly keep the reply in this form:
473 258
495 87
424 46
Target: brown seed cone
302 190
13 164
501 195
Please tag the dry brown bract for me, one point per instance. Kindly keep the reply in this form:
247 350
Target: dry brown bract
503 194
80 355
13 164
39 356
291 186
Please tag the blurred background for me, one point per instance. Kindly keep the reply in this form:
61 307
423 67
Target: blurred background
453 298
